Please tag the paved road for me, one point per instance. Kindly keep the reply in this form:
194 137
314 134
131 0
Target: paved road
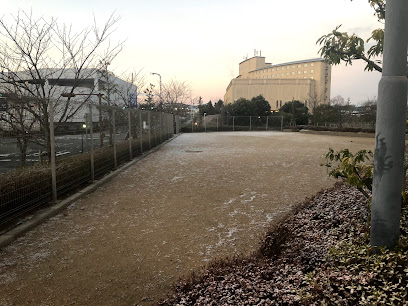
200 197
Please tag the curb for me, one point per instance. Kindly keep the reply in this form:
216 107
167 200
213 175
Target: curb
55 209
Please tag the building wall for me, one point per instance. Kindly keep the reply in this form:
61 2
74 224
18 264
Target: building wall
308 81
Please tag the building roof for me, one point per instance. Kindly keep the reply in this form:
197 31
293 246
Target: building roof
292 63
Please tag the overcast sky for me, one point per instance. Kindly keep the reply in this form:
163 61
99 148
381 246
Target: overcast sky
202 42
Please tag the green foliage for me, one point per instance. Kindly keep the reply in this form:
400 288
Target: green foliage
354 168
340 46
208 109
353 273
326 113
296 111
257 106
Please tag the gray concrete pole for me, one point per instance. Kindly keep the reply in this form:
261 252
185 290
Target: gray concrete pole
150 128
52 145
267 123
390 129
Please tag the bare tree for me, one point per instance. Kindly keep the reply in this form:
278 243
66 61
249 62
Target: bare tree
40 59
176 92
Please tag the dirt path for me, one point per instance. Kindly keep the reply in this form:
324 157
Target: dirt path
200 197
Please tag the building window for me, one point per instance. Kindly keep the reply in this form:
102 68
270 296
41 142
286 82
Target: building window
299 66
311 64
280 103
281 74
298 72
287 67
293 72
304 71
277 103
273 69
311 71
287 73
293 66
305 65
282 68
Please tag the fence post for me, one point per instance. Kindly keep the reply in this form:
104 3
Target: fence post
217 123
281 123
130 135
91 149
115 161
233 123
150 128
52 145
141 131
160 127
267 117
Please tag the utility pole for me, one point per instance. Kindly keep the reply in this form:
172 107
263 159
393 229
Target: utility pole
390 129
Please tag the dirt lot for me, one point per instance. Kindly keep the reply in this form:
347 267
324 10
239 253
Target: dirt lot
200 197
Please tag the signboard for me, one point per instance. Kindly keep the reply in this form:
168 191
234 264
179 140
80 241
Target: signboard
3 105
133 100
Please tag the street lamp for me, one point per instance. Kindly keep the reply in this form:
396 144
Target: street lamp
160 94
99 95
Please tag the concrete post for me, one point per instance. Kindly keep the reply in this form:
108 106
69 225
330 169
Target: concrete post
390 129
91 149
267 117
52 145
281 123
233 123
250 123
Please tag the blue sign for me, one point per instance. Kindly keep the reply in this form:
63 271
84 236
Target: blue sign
133 100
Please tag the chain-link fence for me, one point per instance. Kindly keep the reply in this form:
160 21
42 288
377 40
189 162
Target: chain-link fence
232 123
83 151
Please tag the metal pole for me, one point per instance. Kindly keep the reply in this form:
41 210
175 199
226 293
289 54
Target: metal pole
149 128
100 120
267 117
91 149
281 123
130 134
115 160
52 144
390 129
141 131
160 126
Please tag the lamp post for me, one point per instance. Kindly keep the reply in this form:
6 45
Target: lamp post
99 95
160 93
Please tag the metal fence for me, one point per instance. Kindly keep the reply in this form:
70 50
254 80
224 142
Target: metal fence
37 167
232 123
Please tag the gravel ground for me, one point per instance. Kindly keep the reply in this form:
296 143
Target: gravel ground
200 197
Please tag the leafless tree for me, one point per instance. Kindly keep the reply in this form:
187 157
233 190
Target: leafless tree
38 55
175 92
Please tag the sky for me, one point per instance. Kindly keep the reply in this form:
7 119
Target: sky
203 41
